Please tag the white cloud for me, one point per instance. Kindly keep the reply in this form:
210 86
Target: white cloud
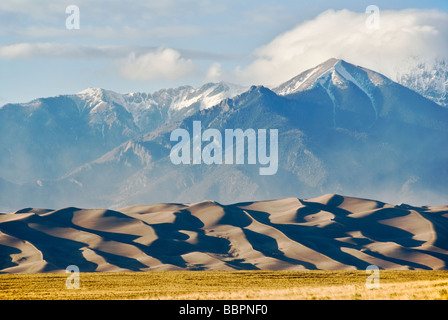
26 50
35 50
343 34
132 62
214 73
161 64
64 51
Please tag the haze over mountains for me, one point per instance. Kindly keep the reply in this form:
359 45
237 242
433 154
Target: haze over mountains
342 129
48 137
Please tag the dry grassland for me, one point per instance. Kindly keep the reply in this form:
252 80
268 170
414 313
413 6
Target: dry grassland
260 285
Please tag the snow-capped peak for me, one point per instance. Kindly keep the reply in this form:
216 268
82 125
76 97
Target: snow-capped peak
164 105
306 79
340 71
206 96
96 94
429 78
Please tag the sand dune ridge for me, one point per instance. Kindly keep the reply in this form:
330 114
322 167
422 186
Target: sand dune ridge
331 232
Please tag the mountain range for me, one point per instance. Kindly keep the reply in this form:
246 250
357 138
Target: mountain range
342 129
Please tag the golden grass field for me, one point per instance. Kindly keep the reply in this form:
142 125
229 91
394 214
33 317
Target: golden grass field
229 285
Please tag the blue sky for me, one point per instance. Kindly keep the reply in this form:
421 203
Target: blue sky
129 46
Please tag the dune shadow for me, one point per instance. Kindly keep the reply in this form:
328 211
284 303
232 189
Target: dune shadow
5 256
438 255
171 242
314 238
235 216
186 235
370 227
269 247
303 212
240 264
323 239
331 206
440 225
57 252
121 261
168 247
398 261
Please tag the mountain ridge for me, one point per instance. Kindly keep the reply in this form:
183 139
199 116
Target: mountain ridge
380 141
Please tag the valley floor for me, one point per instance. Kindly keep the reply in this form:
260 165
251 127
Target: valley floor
228 285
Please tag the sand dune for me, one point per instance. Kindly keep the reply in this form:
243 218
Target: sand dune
331 232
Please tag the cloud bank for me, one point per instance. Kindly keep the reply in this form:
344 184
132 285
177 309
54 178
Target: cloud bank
402 36
64 51
343 34
162 64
